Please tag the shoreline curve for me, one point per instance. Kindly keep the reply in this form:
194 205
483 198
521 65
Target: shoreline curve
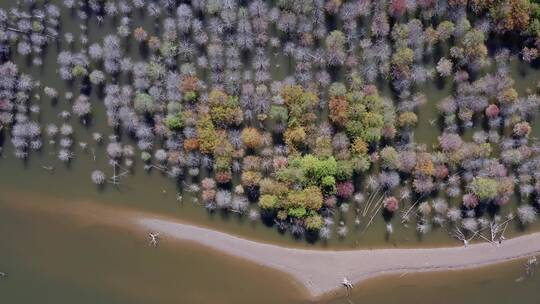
322 271
318 271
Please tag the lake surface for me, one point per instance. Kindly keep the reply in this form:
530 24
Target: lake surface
54 258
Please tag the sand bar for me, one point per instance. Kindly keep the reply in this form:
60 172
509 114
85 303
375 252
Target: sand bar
322 271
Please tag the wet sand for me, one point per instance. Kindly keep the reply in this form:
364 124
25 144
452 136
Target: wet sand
323 271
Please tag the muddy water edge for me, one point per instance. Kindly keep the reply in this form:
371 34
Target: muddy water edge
57 256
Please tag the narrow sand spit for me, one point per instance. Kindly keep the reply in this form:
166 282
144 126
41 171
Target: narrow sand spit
323 271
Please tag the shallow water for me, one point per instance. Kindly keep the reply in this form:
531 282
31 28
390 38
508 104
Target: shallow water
56 259
494 284
52 257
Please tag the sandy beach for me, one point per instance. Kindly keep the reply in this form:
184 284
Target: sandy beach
322 271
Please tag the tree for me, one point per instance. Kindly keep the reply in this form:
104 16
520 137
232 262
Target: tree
297 212
470 200
98 177
444 67
484 188
328 184
323 146
511 15
335 46
300 104
140 34
79 71
313 198
365 115
445 29
391 204
224 110
345 189
473 45
507 96
190 88
251 178
144 104
526 214
295 137
314 222
315 169
402 61
397 8
339 110
207 134
450 142
251 138
424 164
390 158
279 116
359 146
344 170
191 144
174 122
268 202
492 111
522 128
308 170
407 119
81 106
223 177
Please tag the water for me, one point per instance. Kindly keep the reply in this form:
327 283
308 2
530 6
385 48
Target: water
55 258
494 284
51 257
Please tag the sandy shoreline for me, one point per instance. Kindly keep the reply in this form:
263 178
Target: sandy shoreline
322 271
319 271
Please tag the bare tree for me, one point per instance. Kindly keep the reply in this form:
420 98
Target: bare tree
458 234
154 239
497 230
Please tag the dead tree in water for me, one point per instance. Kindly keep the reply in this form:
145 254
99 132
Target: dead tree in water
458 234
530 265
154 239
348 286
498 229
115 179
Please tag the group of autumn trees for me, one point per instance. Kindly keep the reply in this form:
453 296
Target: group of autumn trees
517 16
520 16
309 176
